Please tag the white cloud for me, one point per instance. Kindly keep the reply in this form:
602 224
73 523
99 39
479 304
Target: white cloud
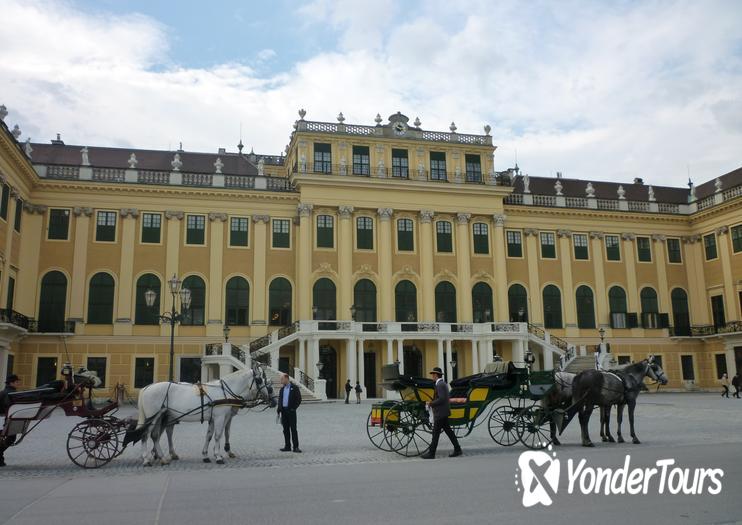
593 90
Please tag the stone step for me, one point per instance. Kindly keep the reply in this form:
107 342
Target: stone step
580 363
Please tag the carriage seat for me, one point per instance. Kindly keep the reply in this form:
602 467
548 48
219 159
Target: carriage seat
47 392
458 400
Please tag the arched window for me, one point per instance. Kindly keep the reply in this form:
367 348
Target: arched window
405 302
144 314
100 299
279 302
585 307
52 302
364 299
238 302
196 313
518 303
481 300
650 308
680 312
552 307
445 302
324 298
617 307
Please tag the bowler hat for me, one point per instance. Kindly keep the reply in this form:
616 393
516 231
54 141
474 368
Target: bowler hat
11 378
437 370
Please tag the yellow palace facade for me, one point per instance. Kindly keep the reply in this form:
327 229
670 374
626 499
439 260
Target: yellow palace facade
361 245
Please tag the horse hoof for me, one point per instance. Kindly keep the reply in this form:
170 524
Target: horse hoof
164 462
207 460
621 440
232 455
174 457
588 444
611 440
636 441
604 439
220 462
147 464
556 442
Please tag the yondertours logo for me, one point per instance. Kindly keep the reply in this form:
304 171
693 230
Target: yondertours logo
538 477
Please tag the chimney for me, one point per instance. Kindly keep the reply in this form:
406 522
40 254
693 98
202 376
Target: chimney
58 141
222 151
639 181
559 174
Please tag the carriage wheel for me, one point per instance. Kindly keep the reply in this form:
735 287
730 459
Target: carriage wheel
376 435
406 430
534 427
503 425
92 443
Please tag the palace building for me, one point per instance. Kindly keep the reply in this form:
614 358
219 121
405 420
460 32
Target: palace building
362 245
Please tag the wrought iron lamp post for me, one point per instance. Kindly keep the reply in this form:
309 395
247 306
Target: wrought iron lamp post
601 332
529 358
353 311
173 316
226 331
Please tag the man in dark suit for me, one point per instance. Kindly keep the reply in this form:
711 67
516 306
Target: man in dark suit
441 408
289 400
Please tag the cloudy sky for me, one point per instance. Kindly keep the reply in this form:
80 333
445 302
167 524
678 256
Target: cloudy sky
601 90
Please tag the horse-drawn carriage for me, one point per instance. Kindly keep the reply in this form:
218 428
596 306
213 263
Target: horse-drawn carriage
93 442
506 396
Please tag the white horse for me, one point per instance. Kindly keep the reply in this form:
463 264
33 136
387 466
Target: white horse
163 404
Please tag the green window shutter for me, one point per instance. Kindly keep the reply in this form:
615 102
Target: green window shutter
238 231
4 201
59 222
105 229
281 233
195 229
364 233
151 227
443 236
325 231
405 240
481 238
18 215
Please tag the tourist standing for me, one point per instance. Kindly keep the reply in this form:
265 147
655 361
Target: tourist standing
725 385
441 407
348 389
736 384
358 390
289 400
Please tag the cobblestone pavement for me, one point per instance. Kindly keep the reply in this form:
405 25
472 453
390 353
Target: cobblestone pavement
335 433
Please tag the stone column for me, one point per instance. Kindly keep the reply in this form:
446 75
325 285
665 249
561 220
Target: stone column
441 358
518 351
449 357
302 354
660 259
125 308
730 294
535 310
10 229
500 270
385 251
568 291
426 266
601 293
699 315
361 369
260 250
78 281
217 317
475 356
315 358
350 360
629 259
463 263
304 287
4 351
389 352
345 261
400 355
485 353
172 255
548 361
28 259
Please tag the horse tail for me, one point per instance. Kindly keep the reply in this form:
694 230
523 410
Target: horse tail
136 432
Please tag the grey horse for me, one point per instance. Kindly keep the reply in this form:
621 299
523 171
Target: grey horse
600 388
559 397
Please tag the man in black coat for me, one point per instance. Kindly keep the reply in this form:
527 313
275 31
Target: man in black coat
289 400
441 407
11 385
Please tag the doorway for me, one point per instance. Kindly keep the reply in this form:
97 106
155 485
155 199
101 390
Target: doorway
413 361
328 358
369 373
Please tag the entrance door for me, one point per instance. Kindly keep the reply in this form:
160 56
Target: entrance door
328 357
283 365
369 373
413 362
717 310
737 359
52 302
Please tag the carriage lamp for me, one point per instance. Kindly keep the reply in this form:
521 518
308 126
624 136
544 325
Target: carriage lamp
353 311
521 311
314 311
149 298
530 358
226 331
185 298
601 332
453 363
320 365
174 283
487 315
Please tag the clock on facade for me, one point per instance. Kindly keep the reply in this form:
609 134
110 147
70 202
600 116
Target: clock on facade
399 128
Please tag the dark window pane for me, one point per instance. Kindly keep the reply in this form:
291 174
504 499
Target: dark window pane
400 164
518 303
59 223
644 249
151 226
721 365
144 314
686 362
443 236
473 168
445 303
365 233
190 369
46 370
144 371
717 311
100 299
482 306
18 215
322 158
52 302
361 161
364 299
238 231
279 302
673 251
552 307
281 233
580 244
405 232
196 313
98 365
481 238
438 166
612 248
585 307
238 298
405 302
737 239
105 229
548 245
4 201
195 229
11 293
515 244
325 231
709 245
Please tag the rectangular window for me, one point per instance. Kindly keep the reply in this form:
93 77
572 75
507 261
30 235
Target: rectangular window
151 226
717 311
361 161
644 249
144 371
59 224
721 365
709 245
473 168
515 244
11 294
238 227
190 369
105 228
548 245
18 215
481 238
612 247
673 251
737 238
325 231
196 229
400 164
322 158
281 232
405 241
438 166
686 362
46 370
365 233
4 202
98 365
443 236
580 243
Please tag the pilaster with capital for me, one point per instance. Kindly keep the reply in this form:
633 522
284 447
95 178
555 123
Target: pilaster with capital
124 314
730 293
385 251
499 269
345 261
600 296
305 260
568 296
215 300
426 266
660 259
259 253
463 263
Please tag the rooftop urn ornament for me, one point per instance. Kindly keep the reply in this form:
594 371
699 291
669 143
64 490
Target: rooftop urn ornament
176 163
590 191
621 193
340 117
417 122
378 119
261 167
16 131
558 187
3 112
133 161
302 113
240 145
526 183
27 149
650 192
218 165
692 188
85 157
717 182
453 127
487 129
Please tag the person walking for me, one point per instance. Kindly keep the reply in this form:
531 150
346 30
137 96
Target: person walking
725 385
441 408
289 400
358 390
348 389
12 384
736 384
